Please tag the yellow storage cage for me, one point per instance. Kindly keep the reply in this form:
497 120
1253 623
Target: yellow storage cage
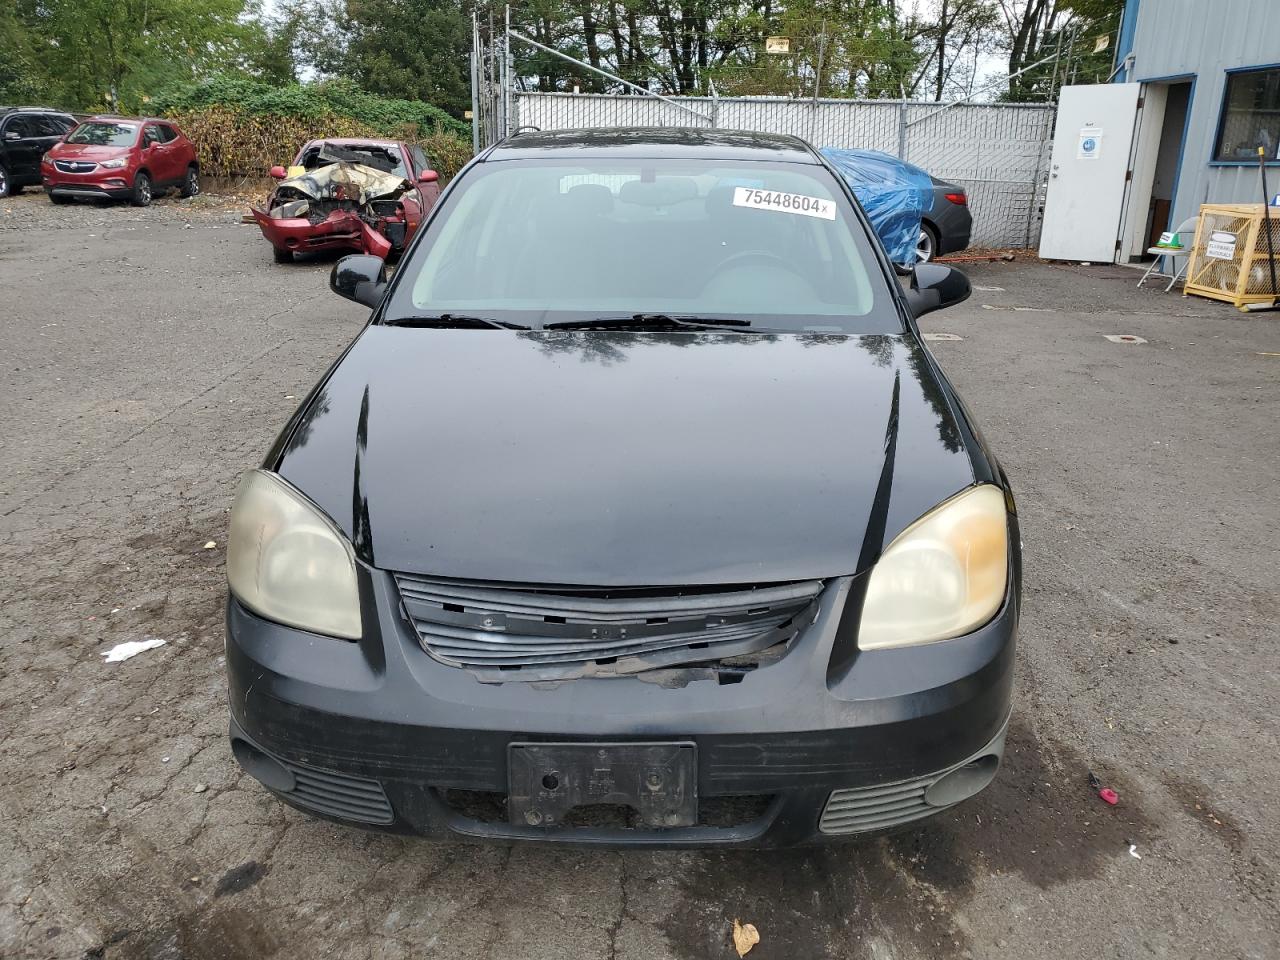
1229 260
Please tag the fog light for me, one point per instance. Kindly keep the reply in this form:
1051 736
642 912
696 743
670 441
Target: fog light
267 770
963 782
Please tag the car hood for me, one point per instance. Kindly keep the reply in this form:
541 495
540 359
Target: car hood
614 458
86 151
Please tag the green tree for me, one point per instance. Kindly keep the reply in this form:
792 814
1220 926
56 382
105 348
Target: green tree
411 49
22 78
866 47
1062 32
278 52
959 33
109 53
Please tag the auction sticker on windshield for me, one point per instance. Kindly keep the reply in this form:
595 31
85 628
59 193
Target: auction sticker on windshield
784 202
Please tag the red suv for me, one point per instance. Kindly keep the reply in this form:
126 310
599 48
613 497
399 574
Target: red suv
125 158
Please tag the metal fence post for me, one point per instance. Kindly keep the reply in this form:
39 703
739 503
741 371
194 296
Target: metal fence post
1047 119
902 129
475 85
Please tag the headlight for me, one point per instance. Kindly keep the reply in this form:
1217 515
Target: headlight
288 562
941 577
115 164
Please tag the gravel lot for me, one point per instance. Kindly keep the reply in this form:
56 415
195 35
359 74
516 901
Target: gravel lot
151 356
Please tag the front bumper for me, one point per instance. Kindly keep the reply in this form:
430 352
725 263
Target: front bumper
115 187
341 230
379 734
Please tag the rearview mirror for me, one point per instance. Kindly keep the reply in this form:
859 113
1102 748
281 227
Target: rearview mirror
428 176
361 278
935 287
278 172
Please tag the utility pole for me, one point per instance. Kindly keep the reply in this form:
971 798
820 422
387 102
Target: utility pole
943 29
817 84
822 47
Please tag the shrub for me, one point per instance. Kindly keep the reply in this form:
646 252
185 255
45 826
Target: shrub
311 101
243 127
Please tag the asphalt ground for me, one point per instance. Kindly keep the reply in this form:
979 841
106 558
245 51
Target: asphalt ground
150 357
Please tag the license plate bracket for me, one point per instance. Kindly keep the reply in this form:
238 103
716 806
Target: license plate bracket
657 780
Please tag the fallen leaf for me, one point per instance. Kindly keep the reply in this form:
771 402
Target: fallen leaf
210 545
745 936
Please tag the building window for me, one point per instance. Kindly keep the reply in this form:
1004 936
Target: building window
1250 117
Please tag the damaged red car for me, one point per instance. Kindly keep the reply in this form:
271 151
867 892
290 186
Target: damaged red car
344 194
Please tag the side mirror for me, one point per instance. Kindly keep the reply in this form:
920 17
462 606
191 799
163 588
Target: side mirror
12 135
278 172
361 278
428 176
935 287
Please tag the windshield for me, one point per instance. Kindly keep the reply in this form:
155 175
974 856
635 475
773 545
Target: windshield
105 134
529 241
386 159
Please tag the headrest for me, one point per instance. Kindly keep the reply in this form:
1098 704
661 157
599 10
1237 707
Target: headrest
590 198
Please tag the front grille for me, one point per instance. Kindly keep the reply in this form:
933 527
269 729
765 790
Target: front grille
530 633
75 166
338 795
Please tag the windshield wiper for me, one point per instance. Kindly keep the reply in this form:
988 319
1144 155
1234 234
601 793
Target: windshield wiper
453 320
664 320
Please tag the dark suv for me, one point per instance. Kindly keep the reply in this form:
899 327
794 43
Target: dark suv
25 134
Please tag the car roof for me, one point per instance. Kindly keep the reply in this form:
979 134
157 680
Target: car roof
355 141
655 143
112 118
61 113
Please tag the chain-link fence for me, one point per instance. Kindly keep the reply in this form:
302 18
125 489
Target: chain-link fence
997 152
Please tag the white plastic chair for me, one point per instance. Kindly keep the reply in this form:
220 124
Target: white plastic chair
1187 234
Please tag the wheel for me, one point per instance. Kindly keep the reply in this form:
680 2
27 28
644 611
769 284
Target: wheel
141 190
282 255
4 182
927 245
191 183
59 198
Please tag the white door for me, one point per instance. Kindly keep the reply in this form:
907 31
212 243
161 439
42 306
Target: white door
1085 198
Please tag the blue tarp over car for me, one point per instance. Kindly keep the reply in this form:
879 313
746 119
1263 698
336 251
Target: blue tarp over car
893 193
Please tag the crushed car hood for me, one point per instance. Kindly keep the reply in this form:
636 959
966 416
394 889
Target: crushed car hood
613 458
359 183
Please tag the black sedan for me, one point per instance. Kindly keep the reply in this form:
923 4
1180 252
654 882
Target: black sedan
638 514
945 227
